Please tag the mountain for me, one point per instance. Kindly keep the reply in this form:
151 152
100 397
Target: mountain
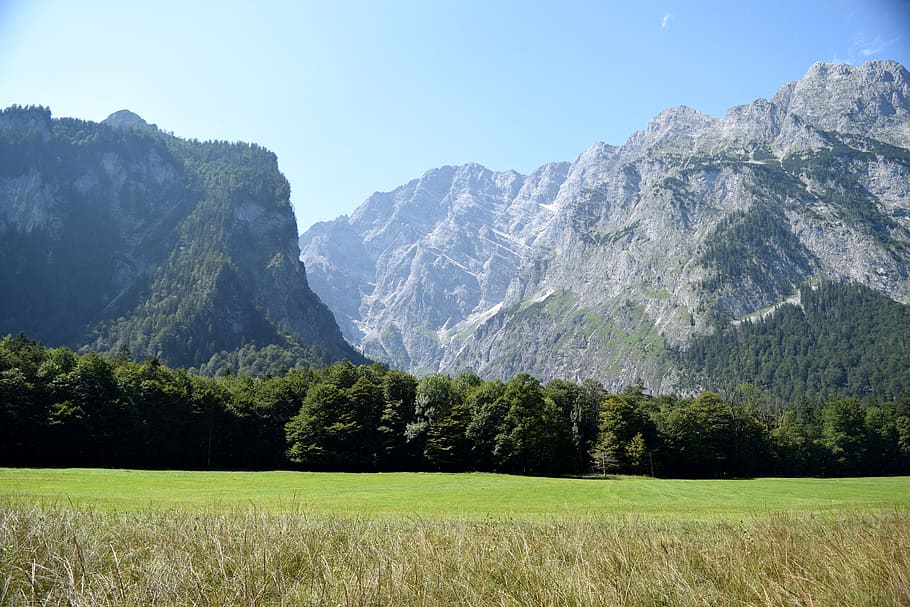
119 237
611 266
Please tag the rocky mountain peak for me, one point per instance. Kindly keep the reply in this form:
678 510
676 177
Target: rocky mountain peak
679 118
125 119
871 99
676 129
604 267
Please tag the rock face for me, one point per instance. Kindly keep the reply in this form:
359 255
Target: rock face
604 267
116 235
125 119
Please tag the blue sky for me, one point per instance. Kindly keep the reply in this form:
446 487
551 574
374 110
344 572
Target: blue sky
357 97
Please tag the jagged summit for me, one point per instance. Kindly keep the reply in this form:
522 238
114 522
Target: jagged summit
606 266
871 99
680 124
125 119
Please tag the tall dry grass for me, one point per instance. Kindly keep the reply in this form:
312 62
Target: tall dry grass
60 556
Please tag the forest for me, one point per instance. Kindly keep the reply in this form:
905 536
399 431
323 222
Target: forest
60 408
839 338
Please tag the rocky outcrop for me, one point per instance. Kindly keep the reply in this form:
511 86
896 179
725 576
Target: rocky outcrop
605 266
125 119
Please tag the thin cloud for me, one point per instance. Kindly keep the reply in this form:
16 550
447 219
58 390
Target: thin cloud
865 47
665 22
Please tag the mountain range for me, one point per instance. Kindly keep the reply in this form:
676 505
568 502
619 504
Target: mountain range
769 245
613 266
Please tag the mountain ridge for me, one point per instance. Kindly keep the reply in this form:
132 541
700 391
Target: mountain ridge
604 266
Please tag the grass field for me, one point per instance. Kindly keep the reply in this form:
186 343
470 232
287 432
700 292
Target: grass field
114 537
462 496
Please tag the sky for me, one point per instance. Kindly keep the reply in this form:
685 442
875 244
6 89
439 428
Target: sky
356 97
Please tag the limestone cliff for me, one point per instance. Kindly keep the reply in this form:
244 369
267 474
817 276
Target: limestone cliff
118 236
607 266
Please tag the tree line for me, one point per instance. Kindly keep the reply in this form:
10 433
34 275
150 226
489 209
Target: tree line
59 408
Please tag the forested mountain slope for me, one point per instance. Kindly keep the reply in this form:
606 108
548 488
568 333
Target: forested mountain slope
830 339
121 237
609 266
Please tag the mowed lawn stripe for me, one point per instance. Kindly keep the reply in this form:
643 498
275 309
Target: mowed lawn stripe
470 496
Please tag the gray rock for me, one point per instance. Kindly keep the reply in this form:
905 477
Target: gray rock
602 267
125 119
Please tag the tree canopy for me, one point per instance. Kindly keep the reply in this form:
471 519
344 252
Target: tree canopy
61 408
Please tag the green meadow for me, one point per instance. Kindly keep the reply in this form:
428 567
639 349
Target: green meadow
122 537
460 496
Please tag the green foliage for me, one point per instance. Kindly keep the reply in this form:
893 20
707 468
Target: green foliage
697 433
754 250
61 408
623 424
580 405
337 426
712 436
489 410
533 436
842 339
636 453
844 435
272 359
447 446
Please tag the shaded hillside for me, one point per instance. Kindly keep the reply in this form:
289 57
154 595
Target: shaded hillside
121 237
